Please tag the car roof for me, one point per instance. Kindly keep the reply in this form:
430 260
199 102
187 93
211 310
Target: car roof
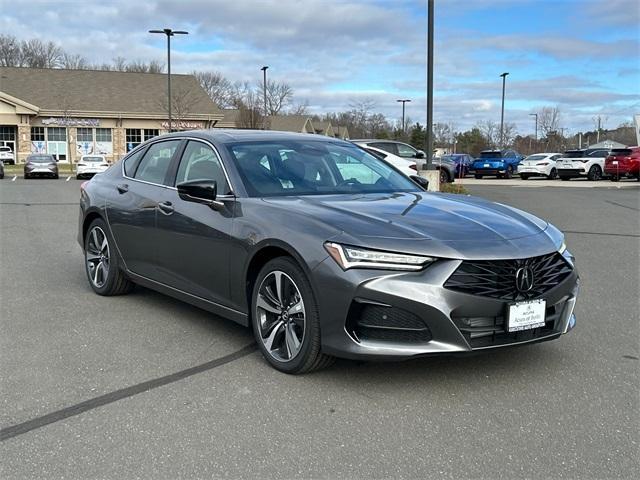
376 140
230 135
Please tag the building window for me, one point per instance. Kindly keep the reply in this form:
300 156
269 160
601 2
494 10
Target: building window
133 138
85 135
150 133
9 133
56 134
37 134
103 134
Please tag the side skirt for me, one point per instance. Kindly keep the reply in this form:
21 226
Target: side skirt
209 306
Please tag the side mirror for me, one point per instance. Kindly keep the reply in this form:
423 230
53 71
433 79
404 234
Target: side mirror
421 181
420 154
198 191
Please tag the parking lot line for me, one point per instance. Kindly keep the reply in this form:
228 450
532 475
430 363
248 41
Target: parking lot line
14 178
78 408
68 178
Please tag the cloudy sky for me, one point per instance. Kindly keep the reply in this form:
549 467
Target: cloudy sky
581 55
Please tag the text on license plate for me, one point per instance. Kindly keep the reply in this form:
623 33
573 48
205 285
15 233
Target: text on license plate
487 165
526 315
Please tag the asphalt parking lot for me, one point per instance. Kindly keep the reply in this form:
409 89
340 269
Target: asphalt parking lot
95 387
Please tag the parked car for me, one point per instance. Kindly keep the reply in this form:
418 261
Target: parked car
400 149
462 161
1 170
404 150
40 165
539 165
7 156
322 249
623 162
499 163
405 165
582 163
89 165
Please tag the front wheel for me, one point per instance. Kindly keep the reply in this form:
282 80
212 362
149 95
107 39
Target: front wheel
524 176
285 318
594 173
444 176
509 172
101 262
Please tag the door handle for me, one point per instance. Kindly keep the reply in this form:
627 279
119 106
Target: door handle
166 208
123 188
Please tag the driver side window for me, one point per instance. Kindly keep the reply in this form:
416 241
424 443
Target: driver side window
200 162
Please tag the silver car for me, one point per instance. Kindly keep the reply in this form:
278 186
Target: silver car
40 165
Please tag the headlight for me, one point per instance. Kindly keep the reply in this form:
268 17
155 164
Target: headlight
562 248
355 257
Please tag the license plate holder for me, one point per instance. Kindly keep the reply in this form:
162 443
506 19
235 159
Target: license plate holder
526 315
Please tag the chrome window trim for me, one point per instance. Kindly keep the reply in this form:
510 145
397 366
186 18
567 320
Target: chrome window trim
215 150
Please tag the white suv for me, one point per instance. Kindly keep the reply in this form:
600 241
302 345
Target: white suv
581 163
6 156
539 165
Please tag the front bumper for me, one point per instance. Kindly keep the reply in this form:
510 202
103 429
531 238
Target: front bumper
456 322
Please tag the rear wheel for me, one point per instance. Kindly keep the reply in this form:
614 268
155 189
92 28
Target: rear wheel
595 173
444 176
101 262
524 176
285 318
553 174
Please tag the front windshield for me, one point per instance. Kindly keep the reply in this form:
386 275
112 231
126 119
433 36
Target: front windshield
303 167
41 159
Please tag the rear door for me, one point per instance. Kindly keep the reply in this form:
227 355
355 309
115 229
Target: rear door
132 207
193 239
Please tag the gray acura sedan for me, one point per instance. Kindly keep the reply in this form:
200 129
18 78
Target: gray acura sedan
323 249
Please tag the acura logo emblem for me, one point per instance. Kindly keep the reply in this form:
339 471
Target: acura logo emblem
524 279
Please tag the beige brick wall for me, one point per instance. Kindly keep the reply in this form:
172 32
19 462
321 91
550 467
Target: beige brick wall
24 142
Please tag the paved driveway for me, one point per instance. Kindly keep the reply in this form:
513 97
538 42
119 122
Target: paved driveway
143 386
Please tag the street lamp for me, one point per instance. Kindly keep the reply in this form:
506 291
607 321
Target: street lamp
429 139
169 33
264 91
403 102
535 115
504 78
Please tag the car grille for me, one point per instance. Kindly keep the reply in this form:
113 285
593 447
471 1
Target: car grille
497 278
392 324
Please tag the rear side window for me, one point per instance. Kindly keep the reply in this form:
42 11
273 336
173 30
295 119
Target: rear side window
154 165
386 146
621 152
130 162
574 154
599 153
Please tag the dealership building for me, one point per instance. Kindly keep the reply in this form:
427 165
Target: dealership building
69 113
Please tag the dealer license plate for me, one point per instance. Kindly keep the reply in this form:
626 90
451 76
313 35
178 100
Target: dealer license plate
487 165
526 315
615 162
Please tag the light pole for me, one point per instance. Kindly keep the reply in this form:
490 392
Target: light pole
429 145
403 102
169 33
535 115
264 91
504 78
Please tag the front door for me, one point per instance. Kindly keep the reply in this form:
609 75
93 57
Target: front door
132 208
193 239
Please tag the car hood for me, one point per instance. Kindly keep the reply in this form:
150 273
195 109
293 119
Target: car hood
451 225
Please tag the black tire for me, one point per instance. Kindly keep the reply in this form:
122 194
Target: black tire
524 176
444 176
595 173
564 179
308 356
26 176
615 178
509 172
56 176
77 177
115 282
553 174
477 177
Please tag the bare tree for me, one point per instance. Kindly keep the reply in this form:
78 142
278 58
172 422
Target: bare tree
10 51
441 134
279 95
548 120
74 62
377 124
140 66
509 132
300 108
38 54
219 88
490 131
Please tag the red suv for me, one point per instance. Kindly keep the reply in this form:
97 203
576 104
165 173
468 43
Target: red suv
623 162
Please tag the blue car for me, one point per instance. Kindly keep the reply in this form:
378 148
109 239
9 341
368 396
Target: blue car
462 163
498 163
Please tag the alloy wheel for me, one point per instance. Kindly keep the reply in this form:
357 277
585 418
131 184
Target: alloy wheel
444 177
281 316
97 257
